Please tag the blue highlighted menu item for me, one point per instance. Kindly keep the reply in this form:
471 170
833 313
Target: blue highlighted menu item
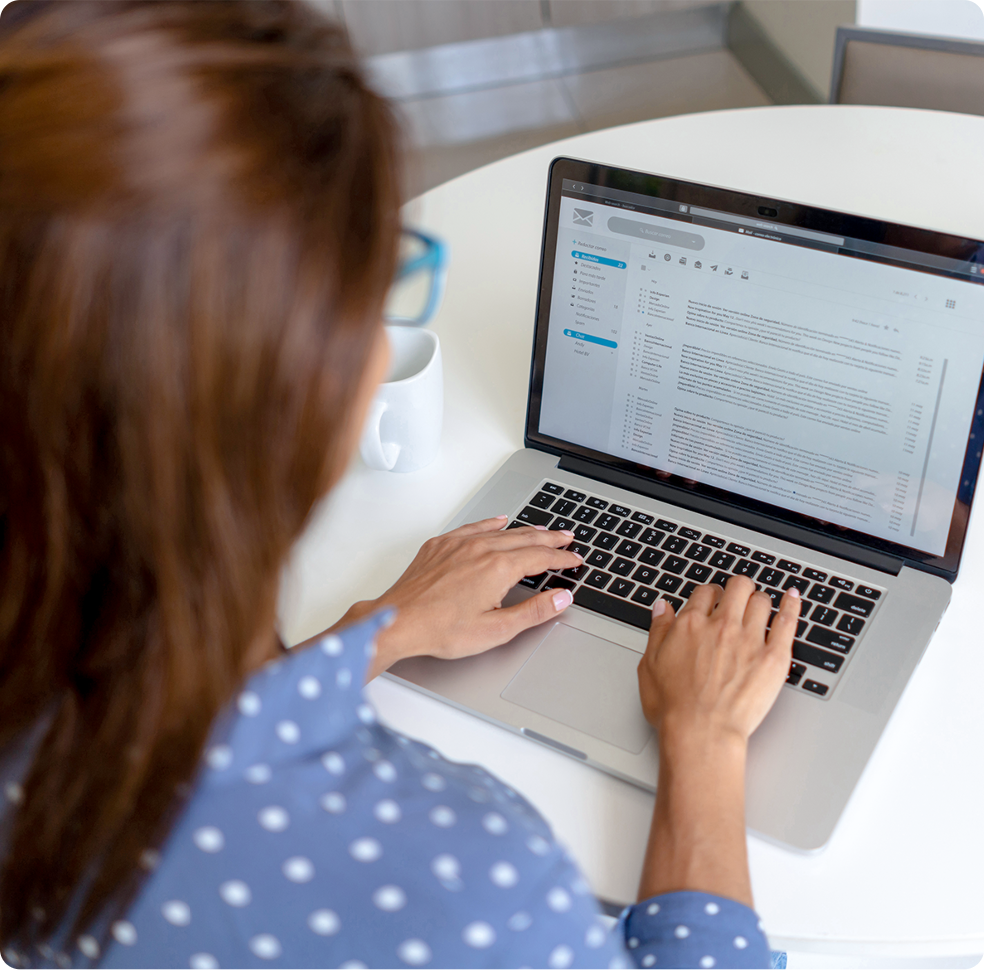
577 335
591 258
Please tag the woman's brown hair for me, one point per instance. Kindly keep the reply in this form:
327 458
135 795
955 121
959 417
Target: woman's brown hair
198 223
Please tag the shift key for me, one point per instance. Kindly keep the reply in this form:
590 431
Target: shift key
818 658
854 605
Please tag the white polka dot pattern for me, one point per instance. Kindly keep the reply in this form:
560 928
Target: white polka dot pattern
478 935
176 912
648 960
384 771
324 922
274 818
124 932
365 850
387 811
343 679
415 952
333 802
433 782
298 868
712 909
495 824
560 956
389 898
740 943
309 688
249 703
652 909
258 774
219 758
442 816
288 732
334 763
332 645
236 893
682 932
208 838
504 875
89 946
559 899
266 946
203 961
707 961
13 792
519 921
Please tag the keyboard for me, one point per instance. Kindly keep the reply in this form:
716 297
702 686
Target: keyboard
632 558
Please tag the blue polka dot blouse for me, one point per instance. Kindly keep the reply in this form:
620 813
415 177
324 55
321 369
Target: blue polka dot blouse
317 837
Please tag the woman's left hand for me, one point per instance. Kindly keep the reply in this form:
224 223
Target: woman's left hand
448 601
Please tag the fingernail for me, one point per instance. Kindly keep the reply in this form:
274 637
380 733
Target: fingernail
794 592
567 532
541 528
573 553
502 516
562 599
659 607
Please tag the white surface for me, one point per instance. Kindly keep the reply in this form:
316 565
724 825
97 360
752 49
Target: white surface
902 874
947 18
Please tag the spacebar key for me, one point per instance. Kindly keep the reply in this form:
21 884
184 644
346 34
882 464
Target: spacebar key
617 609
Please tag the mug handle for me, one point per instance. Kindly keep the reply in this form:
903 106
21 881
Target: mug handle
375 452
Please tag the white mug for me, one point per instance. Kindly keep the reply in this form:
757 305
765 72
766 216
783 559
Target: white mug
403 429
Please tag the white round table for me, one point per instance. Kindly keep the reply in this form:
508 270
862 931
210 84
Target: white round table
902 874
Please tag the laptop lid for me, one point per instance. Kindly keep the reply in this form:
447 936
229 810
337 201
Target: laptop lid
809 373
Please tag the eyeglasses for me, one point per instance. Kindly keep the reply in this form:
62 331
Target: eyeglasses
418 288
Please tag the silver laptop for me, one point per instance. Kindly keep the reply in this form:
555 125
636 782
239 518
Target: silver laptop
726 384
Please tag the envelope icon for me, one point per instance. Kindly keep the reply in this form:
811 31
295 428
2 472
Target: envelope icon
583 217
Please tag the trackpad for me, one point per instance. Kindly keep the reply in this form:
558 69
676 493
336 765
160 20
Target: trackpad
587 683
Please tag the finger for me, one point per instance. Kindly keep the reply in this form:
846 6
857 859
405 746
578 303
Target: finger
703 599
512 620
533 560
757 610
529 536
784 625
662 622
734 599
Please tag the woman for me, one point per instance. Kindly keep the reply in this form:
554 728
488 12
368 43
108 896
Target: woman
198 223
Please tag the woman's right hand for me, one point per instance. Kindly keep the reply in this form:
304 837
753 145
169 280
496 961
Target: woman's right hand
714 668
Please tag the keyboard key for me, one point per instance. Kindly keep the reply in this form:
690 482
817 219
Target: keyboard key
560 524
688 590
668 583
598 579
851 624
619 510
651 557
746 568
796 671
774 594
645 596
797 582
868 592
599 559
665 525
645 574
563 507
580 548
675 544
532 516
763 557
815 575
690 533
514 525
583 534
622 567
698 553
629 529
714 541
606 540
841 583
789 567
830 638
817 658
533 582
674 564
720 579
575 496
854 605
597 503
821 594
720 560
800 627
542 500
815 687
738 550
699 573
674 602
824 615
771 577
611 606
551 487
558 582
608 522
584 514
627 548
651 537
642 517
621 587
575 573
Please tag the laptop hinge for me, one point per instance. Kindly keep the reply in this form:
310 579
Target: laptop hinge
841 548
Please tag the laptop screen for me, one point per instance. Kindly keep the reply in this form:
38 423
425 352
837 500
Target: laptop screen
820 366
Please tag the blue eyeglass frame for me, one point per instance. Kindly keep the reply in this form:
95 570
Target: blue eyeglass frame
433 260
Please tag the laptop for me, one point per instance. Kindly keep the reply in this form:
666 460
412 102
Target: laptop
727 384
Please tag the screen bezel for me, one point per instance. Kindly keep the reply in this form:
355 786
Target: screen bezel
791 214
